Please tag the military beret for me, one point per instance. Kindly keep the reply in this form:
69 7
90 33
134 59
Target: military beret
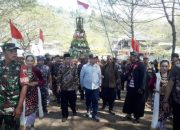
41 58
9 47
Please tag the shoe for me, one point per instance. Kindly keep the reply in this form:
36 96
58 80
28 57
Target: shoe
135 121
112 113
32 128
103 108
64 119
96 118
45 111
74 113
89 115
28 128
127 118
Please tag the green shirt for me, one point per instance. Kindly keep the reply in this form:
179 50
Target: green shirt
9 87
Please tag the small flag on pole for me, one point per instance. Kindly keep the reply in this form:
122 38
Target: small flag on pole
37 49
82 5
135 45
41 36
41 43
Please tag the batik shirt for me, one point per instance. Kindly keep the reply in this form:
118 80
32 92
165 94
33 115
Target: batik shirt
45 71
68 78
9 87
175 76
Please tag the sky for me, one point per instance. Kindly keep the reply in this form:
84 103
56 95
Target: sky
70 5
66 4
60 3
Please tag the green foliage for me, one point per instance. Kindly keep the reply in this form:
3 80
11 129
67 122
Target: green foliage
79 48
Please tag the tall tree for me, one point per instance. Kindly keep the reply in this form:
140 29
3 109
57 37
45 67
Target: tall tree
125 13
171 20
170 9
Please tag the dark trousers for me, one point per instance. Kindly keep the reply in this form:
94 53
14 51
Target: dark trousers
81 91
92 97
10 122
108 96
57 95
68 98
44 95
148 93
123 79
118 93
176 116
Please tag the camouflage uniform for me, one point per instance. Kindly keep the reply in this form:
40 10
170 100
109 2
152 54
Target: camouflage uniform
45 71
55 72
9 94
175 77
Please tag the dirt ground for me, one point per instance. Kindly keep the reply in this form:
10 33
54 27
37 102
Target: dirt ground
52 121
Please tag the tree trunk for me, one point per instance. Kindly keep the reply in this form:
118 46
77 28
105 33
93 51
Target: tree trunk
171 22
173 38
132 19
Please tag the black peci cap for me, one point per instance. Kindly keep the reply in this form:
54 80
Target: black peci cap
91 56
67 55
175 55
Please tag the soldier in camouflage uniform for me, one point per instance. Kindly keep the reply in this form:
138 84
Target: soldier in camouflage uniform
11 94
172 92
55 72
45 71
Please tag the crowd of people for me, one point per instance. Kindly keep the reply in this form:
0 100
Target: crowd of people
26 83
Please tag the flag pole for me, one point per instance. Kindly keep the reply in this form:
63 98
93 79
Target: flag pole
105 28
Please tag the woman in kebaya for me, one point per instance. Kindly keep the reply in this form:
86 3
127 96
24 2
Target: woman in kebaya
33 78
163 115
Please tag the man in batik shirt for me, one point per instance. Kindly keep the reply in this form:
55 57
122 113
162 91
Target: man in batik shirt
68 84
11 94
45 71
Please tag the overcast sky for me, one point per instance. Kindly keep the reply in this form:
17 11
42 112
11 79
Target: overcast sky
70 5
66 4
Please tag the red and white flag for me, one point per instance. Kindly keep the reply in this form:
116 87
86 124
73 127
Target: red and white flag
82 5
41 43
37 48
15 33
41 37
